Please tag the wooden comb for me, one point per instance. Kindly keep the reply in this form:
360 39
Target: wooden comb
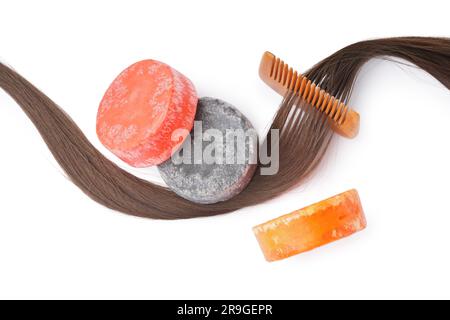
281 78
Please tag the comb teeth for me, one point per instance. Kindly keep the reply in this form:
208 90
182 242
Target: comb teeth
282 78
314 95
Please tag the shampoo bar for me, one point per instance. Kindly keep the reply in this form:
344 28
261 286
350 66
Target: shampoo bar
141 110
311 227
219 159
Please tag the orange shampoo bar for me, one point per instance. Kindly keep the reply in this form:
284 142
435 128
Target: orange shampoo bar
141 110
305 229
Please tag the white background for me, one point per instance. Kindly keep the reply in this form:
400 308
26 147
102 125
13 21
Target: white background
57 243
